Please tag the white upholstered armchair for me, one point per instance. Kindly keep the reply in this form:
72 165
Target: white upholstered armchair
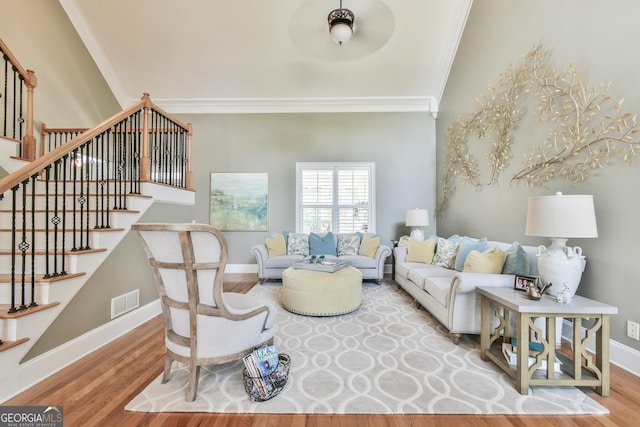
203 324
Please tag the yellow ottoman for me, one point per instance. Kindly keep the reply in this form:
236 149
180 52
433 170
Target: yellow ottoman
317 293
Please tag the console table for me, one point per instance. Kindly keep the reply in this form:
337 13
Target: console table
497 307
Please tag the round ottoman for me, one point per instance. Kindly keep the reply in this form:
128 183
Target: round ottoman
317 293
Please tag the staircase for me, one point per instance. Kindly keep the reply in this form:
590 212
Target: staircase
62 215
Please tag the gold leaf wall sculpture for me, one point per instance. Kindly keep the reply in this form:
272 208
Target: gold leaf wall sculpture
586 131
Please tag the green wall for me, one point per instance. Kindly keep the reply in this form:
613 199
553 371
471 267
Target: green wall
599 38
401 145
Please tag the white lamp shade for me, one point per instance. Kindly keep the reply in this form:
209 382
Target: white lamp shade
341 33
417 218
563 216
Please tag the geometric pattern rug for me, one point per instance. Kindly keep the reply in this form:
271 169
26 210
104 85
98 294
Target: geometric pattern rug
388 357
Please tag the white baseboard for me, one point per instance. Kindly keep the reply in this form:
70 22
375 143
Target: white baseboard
621 355
46 364
241 268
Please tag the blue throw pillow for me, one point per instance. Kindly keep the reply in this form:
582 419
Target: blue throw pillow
467 244
516 260
322 244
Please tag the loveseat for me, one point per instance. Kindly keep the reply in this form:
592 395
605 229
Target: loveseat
279 252
443 274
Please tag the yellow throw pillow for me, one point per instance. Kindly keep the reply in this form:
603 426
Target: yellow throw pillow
421 251
369 246
489 262
276 246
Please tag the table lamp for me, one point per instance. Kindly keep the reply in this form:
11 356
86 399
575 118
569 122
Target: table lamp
417 218
561 217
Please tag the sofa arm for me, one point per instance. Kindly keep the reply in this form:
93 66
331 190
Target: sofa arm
262 254
400 253
468 282
381 255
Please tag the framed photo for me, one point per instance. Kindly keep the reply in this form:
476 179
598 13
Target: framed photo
522 282
238 201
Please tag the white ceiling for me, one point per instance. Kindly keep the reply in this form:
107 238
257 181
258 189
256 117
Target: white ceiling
208 56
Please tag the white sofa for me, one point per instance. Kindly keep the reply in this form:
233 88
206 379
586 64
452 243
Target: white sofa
450 295
372 267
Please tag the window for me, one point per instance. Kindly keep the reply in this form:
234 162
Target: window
337 197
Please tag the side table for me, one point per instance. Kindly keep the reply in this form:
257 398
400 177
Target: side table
502 303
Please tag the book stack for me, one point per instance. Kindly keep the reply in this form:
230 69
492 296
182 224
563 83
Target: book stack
262 367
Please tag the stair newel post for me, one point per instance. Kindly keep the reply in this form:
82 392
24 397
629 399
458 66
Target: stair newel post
145 163
34 177
29 140
188 183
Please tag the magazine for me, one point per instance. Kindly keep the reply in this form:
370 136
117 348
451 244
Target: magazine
266 358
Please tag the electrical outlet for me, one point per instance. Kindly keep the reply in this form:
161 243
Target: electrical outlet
633 330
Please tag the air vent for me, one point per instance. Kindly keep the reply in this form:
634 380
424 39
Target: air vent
125 303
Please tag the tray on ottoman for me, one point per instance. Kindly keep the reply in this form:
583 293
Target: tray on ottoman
325 266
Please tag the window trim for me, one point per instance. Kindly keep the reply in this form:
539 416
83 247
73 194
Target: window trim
371 166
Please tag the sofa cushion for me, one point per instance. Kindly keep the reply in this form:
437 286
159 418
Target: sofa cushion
283 261
516 260
446 250
489 262
276 245
298 244
421 251
322 244
467 244
369 246
348 244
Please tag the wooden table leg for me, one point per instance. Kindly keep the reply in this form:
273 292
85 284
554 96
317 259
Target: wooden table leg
522 366
602 355
485 326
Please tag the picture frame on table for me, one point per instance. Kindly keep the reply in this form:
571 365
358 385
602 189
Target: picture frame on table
521 283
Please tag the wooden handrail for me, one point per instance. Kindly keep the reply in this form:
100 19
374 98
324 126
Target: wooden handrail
30 81
29 76
58 153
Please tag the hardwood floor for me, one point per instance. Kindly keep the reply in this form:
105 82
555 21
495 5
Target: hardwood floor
94 391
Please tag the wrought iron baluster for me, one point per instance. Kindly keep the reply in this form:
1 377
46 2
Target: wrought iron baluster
33 240
14 190
24 247
47 183
63 242
55 220
87 168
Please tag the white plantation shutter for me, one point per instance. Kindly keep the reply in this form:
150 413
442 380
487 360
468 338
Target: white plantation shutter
335 197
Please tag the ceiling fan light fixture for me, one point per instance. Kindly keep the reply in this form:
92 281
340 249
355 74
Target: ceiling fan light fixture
341 24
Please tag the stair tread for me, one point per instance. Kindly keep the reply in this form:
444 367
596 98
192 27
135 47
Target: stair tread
6 345
4 310
39 278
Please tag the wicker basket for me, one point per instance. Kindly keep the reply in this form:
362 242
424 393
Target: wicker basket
261 389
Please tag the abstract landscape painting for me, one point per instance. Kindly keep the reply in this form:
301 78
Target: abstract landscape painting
239 201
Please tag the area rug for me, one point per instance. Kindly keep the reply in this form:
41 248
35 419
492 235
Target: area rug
388 357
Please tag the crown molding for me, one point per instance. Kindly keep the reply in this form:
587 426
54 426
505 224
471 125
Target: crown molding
426 104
